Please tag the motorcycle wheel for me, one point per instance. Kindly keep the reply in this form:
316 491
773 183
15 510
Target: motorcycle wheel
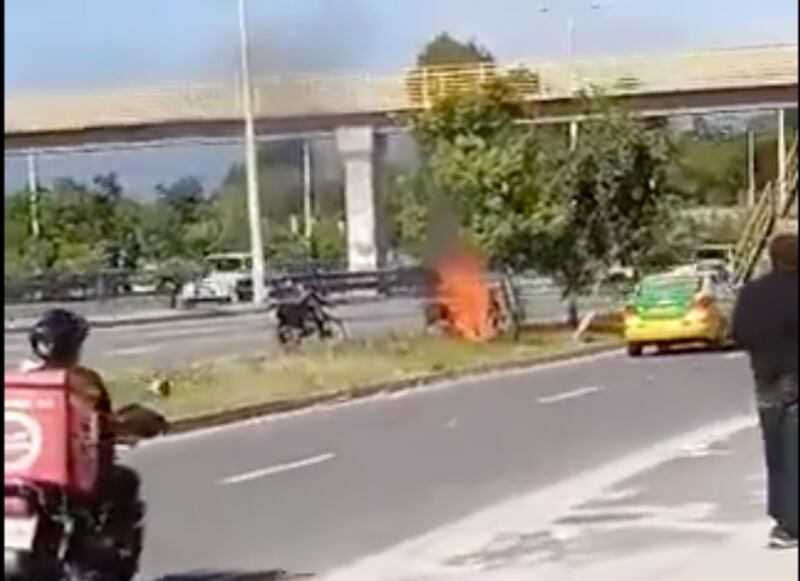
130 552
332 329
289 336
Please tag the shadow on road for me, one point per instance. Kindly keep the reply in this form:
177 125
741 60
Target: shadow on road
700 497
272 575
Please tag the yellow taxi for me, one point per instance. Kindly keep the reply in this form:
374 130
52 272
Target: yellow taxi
678 308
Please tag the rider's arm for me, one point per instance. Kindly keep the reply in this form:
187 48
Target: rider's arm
90 386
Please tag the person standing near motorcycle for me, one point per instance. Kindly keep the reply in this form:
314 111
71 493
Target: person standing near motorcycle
57 341
765 324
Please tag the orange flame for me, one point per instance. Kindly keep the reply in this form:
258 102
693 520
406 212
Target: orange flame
464 297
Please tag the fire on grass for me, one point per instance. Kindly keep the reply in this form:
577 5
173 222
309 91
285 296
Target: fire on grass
464 303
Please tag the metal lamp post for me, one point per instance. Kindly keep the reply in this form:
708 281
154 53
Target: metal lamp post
251 166
570 39
573 80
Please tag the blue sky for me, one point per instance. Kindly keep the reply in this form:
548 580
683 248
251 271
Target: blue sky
81 43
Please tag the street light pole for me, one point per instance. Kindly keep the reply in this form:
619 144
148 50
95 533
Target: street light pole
570 40
251 166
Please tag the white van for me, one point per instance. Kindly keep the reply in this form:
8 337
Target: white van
224 272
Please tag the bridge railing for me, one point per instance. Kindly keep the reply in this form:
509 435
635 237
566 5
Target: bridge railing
301 95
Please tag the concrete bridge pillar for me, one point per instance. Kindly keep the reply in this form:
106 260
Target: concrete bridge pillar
357 146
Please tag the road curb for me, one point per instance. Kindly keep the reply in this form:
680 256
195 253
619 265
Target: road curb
225 417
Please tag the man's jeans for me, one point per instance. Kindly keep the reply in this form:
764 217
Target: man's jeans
779 431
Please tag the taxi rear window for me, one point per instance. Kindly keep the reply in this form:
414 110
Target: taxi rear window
662 288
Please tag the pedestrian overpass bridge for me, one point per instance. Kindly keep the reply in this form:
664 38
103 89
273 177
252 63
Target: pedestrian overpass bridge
745 78
358 107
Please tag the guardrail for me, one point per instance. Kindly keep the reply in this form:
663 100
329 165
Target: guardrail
535 297
316 95
528 299
116 284
78 287
411 281
538 299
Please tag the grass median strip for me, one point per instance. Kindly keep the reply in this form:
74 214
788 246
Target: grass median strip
343 368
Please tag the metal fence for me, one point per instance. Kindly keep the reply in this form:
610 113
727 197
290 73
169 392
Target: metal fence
536 299
78 287
530 298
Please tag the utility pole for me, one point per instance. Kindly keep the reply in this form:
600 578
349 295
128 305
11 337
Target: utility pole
573 135
781 159
33 193
251 166
751 168
308 210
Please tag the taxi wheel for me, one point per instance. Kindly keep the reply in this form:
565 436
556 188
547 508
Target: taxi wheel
635 349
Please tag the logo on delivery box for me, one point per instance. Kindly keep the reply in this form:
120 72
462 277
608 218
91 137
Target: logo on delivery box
23 441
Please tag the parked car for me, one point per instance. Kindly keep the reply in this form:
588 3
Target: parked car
678 309
222 283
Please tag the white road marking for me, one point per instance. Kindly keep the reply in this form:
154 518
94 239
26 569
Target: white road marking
272 470
219 329
165 334
233 322
570 394
332 407
736 355
445 384
129 351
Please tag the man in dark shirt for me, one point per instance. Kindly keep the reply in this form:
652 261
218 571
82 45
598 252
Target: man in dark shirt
765 324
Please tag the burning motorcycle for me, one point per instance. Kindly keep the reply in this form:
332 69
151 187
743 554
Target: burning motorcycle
56 527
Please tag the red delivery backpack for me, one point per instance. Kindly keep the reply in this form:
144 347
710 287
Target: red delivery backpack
52 433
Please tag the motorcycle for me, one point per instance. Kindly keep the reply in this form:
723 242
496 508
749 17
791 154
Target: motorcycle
306 315
56 529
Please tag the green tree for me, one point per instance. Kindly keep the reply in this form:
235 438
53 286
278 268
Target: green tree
446 66
492 172
280 193
710 170
443 49
183 222
184 197
531 202
614 203
327 242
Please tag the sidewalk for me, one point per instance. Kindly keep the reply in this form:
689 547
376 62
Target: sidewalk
697 516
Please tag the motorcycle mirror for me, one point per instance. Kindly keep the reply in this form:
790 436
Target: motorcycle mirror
141 421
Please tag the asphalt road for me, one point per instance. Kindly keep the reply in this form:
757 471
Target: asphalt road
314 491
176 343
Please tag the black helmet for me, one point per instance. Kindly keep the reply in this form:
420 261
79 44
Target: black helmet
58 336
